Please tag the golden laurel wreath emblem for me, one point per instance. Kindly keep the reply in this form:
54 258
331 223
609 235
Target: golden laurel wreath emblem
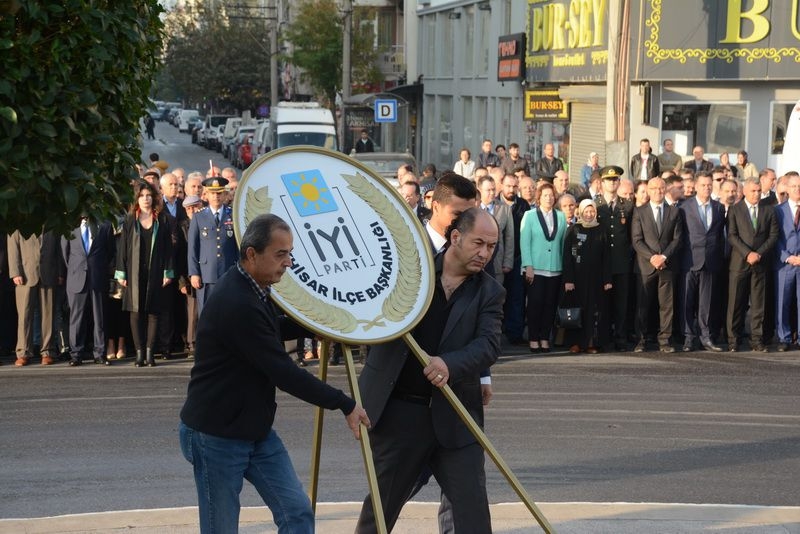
400 301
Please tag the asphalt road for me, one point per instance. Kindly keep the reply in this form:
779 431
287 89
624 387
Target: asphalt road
696 428
690 428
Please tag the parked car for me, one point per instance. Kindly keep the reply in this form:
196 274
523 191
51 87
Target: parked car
229 133
259 142
207 137
385 164
184 117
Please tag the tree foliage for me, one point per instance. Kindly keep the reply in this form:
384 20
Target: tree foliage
76 76
215 60
317 39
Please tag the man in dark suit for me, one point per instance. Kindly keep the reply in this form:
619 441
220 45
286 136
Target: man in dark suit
212 245
226 422
615 215
514 316
657 235
88 254
36 269
788 262
414 426
412 193
697 163
703 256
752 234
172 316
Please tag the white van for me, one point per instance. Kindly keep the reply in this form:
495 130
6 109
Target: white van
228 132
301 123
183 118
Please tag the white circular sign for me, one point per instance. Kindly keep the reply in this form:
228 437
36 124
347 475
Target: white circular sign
362 267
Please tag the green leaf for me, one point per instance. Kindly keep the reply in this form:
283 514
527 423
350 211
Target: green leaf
45 129
8 114
7 192
70 194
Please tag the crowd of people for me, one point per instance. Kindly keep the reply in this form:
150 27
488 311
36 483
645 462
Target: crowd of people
661 255
643 256
138 282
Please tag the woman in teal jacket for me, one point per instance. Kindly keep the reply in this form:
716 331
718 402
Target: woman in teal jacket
542 243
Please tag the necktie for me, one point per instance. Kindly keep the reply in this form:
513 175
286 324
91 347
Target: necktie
216 219
705 215
753 216
658 219
796 216
85 237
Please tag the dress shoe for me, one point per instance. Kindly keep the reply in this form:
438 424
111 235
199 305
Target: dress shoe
591 350
575 349
709 346
535 350
758 347
139 358
47 359
544 349
22 362
166 355
639 347
687 347
102 360
667 349
732 347
783 347
74 362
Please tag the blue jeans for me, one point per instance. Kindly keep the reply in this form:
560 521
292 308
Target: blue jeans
220 467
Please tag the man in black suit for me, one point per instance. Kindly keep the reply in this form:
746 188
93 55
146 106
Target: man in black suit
657 235
752 234
172 316
698 163
411 192
704 221
226 422
414 425
88 253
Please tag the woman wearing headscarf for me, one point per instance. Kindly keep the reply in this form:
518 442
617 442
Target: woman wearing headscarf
587 278
144 268
541 243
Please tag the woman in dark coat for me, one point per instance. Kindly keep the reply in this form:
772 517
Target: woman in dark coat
587 278
144 268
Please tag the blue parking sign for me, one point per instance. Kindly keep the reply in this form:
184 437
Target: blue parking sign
385 110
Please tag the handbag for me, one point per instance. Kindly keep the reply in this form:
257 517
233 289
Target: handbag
115 289
569 317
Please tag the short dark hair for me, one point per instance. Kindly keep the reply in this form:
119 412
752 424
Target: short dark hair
417 189
154 156
487 178
452 184
258 234
513 145
430 167
498 147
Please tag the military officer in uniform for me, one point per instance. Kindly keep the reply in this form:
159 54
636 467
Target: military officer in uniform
212 248
614 214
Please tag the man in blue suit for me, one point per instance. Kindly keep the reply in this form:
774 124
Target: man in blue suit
88 253
212 246
704 221
788 262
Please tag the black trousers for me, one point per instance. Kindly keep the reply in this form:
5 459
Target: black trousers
698 287
655 287
618 306
543 295
744 284
403 444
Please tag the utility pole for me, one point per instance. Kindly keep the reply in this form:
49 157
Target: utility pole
617 82
347 8
273 56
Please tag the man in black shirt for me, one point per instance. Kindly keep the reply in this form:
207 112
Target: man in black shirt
415 426
226 423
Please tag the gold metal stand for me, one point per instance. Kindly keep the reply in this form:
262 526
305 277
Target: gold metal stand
424 359
366 449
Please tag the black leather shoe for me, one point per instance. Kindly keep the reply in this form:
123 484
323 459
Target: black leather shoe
74 363
687 348
732 347
666 348
783 347
150 360
758 347
102 360
639 347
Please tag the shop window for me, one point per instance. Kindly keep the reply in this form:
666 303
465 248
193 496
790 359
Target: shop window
781 112
716 127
